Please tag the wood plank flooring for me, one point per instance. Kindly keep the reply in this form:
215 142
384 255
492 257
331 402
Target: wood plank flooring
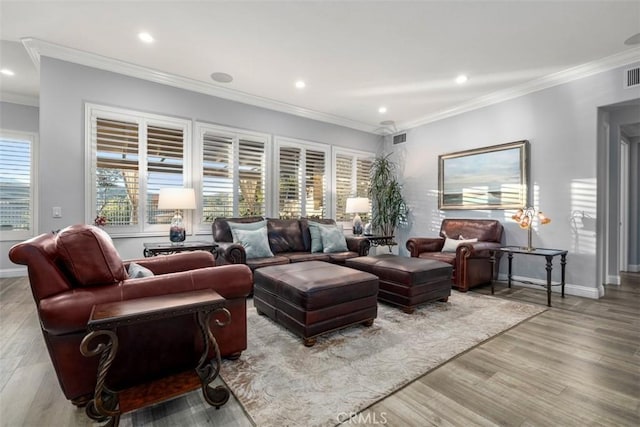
576 364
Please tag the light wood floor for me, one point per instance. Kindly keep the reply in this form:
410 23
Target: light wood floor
576 364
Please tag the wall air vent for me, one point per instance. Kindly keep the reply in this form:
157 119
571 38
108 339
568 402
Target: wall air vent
632 77
399 138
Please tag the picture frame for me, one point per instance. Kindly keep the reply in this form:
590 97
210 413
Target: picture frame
494 177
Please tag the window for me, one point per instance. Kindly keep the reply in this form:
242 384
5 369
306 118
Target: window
351 178
132 156
303 175
231 173
17 185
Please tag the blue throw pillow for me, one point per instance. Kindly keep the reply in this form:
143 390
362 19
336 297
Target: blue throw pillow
233 226
255 242
316 239
333 239
136 271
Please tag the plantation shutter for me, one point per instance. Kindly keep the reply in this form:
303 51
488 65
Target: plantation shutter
251 165
315 184
344 180
165 162
217 176
117 176
290 183
15 185
363 173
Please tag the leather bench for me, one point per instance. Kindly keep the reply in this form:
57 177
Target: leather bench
407 282
315 297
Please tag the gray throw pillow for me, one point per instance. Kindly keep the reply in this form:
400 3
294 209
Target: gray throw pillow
316 239
233 226
136 271
333 239
255 242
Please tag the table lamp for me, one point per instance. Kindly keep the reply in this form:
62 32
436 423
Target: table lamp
356 205
524 218
177 198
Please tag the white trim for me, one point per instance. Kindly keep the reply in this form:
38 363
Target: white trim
590 68
613 279
13 272
569 288
37 48
634 268
18 98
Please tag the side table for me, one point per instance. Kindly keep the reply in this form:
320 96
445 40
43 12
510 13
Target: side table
103 323
548 254
154 249
376 240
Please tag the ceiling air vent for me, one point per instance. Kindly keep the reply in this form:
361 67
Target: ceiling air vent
400 138
632 77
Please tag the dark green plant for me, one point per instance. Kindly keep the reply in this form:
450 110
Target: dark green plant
385 192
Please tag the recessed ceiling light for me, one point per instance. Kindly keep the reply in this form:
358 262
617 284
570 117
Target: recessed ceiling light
387 123
461 79
7 72
382 110
145 37
222 77
634 39
300 84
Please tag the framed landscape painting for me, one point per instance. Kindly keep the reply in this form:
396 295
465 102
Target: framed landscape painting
494 177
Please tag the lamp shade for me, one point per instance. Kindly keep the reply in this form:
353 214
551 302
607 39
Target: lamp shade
357 205
177 198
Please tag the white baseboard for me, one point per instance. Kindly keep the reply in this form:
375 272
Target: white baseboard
634 268
569 288
13 272
613 280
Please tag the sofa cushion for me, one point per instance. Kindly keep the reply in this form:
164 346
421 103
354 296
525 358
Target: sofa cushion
222 231
316 238
136 271
333 239
265 262
450 245
285 235
233 226
306 256
255 242
87 252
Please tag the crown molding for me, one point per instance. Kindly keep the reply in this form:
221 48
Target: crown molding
17 98
37 48
626 57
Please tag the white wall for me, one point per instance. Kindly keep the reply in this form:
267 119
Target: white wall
561 125
64 89
20 118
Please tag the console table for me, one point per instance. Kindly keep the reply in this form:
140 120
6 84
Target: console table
380 240
548 254
102 326
153 249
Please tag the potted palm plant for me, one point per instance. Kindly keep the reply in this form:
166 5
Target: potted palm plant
388 205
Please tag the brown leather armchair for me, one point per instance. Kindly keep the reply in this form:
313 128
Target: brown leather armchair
471 266
78 267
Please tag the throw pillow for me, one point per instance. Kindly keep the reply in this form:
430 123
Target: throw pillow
450 245
255 242
333 239
233 226
136 271
316 238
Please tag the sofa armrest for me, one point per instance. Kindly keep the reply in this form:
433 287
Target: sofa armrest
417 245
183 261
358 244
231 253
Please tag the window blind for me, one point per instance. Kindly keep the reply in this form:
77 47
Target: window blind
217 176
165 160
15 185
290 183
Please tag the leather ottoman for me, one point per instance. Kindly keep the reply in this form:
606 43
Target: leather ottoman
405 281
314 297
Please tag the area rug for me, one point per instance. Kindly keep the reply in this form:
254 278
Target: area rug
280 382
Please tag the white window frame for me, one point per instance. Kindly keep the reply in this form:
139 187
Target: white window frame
92 112
303 145
356 154
235 135
18 235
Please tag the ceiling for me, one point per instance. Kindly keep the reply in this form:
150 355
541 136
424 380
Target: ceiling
354 56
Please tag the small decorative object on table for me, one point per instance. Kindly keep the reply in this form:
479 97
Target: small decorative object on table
177 198
357 205
524 218
100 221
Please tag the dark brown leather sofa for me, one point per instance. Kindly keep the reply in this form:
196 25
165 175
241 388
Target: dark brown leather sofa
471 266
78 267
289 240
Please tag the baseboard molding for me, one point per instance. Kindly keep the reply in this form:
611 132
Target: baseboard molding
634 268
569 288
13 272
613 280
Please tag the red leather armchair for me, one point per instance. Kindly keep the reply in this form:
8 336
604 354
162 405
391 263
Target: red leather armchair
71 271
471 266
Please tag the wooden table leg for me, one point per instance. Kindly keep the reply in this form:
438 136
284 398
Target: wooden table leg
549 267
492 260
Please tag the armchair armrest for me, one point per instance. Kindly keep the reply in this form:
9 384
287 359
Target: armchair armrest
417 245
358 244
183 261
231 253
476 249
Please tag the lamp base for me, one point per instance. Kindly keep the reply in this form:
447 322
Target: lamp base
357 225
177 232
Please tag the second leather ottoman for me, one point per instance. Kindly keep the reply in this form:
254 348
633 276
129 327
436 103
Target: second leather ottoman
314 297
405 281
